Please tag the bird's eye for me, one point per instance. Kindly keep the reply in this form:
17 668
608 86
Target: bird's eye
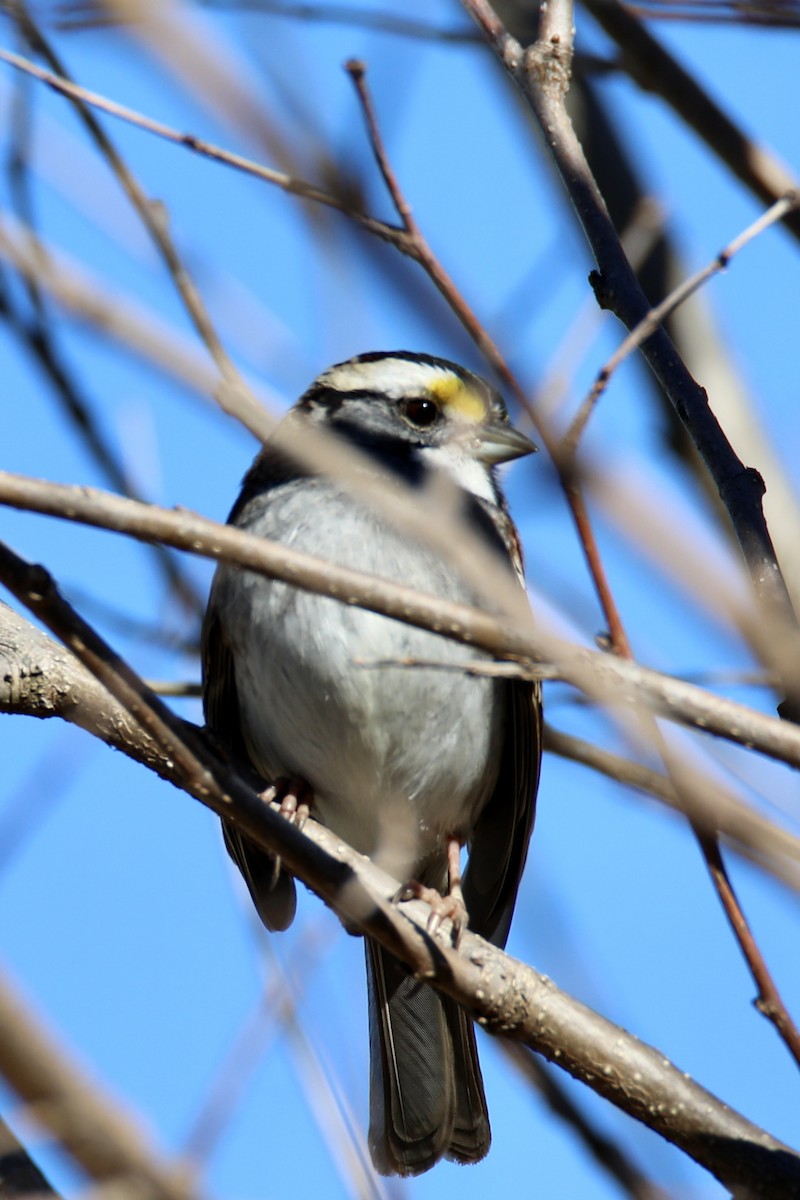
420 412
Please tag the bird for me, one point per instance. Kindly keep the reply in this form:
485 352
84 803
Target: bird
405 750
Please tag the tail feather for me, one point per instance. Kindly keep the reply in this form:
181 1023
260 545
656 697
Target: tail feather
471 1136
426 1090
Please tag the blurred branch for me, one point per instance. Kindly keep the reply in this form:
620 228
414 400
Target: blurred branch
502 994
89 301
770 13
746 829
346 1142
609 1155
100 1138
605 677
20 1178
94 12
655 70
38 337
233 388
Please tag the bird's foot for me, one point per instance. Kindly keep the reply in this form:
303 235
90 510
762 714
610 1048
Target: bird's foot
295 798
451 906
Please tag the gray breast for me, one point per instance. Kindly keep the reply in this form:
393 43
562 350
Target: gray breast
398 754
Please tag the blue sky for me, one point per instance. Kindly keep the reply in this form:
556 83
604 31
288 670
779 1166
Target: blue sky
121 918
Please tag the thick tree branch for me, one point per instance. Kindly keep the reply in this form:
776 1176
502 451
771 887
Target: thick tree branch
39 678
504 996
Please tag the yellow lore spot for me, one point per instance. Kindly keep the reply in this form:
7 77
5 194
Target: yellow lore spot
456 398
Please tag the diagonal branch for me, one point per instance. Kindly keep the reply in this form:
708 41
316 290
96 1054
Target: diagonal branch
659 313
541 72
280 179
419 249
650 64
100 1138
503 995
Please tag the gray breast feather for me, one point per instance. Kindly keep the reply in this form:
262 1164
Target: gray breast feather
398 755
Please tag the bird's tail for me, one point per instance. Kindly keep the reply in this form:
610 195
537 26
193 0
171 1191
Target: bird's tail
426 1090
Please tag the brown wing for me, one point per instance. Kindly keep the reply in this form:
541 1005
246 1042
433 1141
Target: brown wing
499 843
272 889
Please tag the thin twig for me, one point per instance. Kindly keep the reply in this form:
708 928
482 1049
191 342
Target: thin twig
420 250
660 312
287 183
768 1002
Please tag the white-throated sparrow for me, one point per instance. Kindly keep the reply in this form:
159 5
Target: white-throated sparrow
404 753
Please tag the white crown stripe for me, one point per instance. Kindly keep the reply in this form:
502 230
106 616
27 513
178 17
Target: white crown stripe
393 377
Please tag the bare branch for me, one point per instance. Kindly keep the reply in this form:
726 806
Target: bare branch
655 70
503 995
648 324
769 1001
105 1142
287 183
602 676
541 74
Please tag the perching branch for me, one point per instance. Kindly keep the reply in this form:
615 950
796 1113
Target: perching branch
503 995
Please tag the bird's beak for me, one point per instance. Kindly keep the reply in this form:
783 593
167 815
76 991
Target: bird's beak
499 443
